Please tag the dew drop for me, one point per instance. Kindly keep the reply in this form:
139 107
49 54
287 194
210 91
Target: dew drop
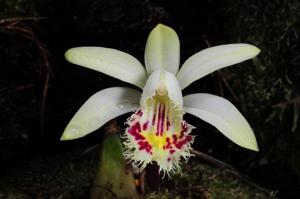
74 131
125 105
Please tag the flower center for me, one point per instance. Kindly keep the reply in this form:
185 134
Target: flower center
157 132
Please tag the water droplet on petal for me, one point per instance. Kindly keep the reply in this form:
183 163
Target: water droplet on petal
126 105
73 131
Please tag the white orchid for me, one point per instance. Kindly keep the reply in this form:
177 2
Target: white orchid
156 131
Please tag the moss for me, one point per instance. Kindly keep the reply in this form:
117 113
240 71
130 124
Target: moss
70 176
199 180
268 88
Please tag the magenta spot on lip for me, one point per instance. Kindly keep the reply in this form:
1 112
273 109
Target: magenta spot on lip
160 122
172 151
168 124
169 159
183 129
135 131
162 119
158 126
168 144
184 141
145 125
153 119
139 112
144 145
174 139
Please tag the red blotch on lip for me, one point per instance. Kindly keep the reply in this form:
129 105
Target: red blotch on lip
162 120
172 151
153 119
184 141
168 144
145 125
144 145
135 131
174 139
184 129
158 121
168 125
139 112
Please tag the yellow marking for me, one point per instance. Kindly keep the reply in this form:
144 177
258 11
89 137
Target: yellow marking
154 140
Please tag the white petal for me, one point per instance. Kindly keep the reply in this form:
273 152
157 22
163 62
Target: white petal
212 59
99 109
109 61
162 50
163 81
220 113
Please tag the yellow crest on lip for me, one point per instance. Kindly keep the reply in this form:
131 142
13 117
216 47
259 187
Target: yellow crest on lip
157 132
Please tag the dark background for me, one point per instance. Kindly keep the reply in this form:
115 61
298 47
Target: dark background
40 91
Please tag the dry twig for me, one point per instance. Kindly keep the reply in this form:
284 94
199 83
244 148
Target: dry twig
295 101
15 25
226 168
19 19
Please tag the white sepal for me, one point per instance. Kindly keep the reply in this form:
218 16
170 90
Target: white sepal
99 109
162 50
212 59
111 62
220 113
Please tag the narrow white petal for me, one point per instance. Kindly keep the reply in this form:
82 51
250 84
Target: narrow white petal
99 109
163 81
212 59
109 61
162 50
220 113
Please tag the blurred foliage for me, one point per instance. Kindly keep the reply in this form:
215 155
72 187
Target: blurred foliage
71 178
68 175
13 8
21 79
268 88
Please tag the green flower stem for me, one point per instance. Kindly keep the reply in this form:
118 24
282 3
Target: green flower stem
113 179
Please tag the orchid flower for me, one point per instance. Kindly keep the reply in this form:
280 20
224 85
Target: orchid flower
156 130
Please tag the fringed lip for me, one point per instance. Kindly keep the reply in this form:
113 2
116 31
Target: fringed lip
157 131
